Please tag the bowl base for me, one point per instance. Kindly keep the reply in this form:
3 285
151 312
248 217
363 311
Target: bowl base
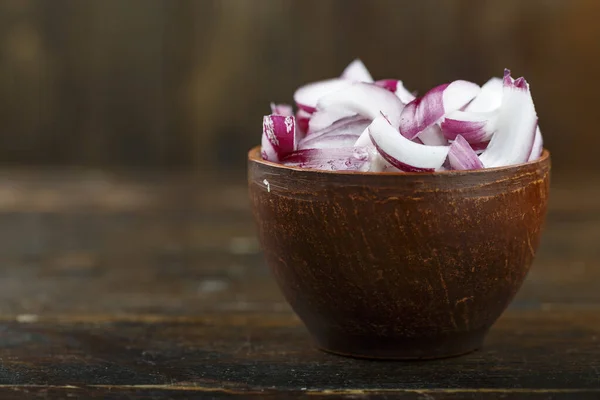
427 348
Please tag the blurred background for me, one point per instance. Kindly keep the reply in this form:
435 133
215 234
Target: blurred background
161 84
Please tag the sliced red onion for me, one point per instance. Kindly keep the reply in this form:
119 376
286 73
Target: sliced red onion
365 100
342 133
403 153
397 87
354 125
538 146
332 141
357 71
479 148
342 159
307 96
302 119
282 109
351 123
322 119
475 127
425 111
379 164
279 137
364 139
432 136
461 156
516 126
490 97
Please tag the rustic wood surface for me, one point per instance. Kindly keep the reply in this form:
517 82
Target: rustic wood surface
127 286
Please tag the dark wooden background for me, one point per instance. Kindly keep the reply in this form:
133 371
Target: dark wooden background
161 84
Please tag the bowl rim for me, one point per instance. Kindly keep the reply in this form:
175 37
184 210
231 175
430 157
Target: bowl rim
254 156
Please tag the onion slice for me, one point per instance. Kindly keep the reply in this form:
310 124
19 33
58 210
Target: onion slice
516 126
322 119
364 139
356 71
425 111
397 87
479 148
341 159
365 100
329 142
342 133
538 146
403 153
475 127
282 109
461 156
432 136
379 164
302 119
278 138
307 96
490 97
354 125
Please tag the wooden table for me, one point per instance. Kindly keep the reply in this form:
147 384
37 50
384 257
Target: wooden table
153 286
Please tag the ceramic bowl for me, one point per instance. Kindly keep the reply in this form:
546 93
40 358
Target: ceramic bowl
399 265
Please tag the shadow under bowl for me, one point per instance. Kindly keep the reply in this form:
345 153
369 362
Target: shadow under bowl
399 265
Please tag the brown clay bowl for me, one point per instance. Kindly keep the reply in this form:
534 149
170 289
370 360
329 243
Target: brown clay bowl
399 266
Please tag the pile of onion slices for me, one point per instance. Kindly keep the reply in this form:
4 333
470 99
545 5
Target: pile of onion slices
354 123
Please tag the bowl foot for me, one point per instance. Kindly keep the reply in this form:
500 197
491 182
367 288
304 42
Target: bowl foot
385 348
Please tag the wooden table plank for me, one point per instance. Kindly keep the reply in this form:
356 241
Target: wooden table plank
130 286
161 393
526 349
58 263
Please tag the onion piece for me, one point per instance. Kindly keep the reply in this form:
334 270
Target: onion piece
278 138
475 127
397 87
461 156
322 119
329 142
302 119
479 148
354 125
403 153
307 96
342 133
432 136
364 139
516 126
366 100
282 109
342 159
425 111
538 146
356 71
379 164
490 97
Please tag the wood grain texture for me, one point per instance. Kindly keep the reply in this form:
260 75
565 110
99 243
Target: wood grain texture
526 349
113 392
132 286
